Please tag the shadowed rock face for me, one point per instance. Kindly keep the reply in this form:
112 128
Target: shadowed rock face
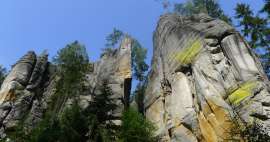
115 68
27 90
205 83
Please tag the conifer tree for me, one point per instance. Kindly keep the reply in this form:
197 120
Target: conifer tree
138 64
2 74
136 128
211 7
101 117
61 123
266 8
256 30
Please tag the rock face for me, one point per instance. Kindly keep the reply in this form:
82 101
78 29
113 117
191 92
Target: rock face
114 68
19 89
205 84
27 90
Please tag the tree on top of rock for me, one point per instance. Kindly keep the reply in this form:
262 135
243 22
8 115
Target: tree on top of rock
2 74
256 30
211 7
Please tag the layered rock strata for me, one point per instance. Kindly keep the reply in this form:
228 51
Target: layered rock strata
205 84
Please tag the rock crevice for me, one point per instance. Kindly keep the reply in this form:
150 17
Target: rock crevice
216 81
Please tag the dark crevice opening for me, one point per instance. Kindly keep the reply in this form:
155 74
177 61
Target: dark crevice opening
127 90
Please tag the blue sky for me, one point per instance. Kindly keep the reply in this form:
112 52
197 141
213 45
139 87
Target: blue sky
51 24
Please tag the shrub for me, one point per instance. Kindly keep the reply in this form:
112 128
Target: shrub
255 133
135 128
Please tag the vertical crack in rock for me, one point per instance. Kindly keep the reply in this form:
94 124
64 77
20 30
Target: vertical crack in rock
18 77
38 72
208 66
28 89
127 89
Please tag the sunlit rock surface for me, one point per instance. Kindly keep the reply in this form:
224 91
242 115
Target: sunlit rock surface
205 84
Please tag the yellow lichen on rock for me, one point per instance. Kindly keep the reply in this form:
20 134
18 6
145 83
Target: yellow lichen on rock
187 55
242 92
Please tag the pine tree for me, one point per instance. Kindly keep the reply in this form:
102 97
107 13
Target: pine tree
256 29
114 38
139 67
101 116
135 128
211 7
138 63
2 74
138 57
139 95
73 63
74 124
266 8
60 123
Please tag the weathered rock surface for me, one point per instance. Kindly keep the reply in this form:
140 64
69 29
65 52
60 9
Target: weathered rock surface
115 69
205 84
27 90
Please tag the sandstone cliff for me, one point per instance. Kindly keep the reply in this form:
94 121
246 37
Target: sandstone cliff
28 88
205 84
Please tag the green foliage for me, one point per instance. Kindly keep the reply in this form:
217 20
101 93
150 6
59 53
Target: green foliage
242 92
135 128
71 124
138 53
73 62
114 38
211 7
100 112
71 127
266 8
108 51
255 133
46 131
139 66
139 94
2 74
253 26
256 29
186 9
138 57
74 124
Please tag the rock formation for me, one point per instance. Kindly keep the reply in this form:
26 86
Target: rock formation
27 90
115 68
205 84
